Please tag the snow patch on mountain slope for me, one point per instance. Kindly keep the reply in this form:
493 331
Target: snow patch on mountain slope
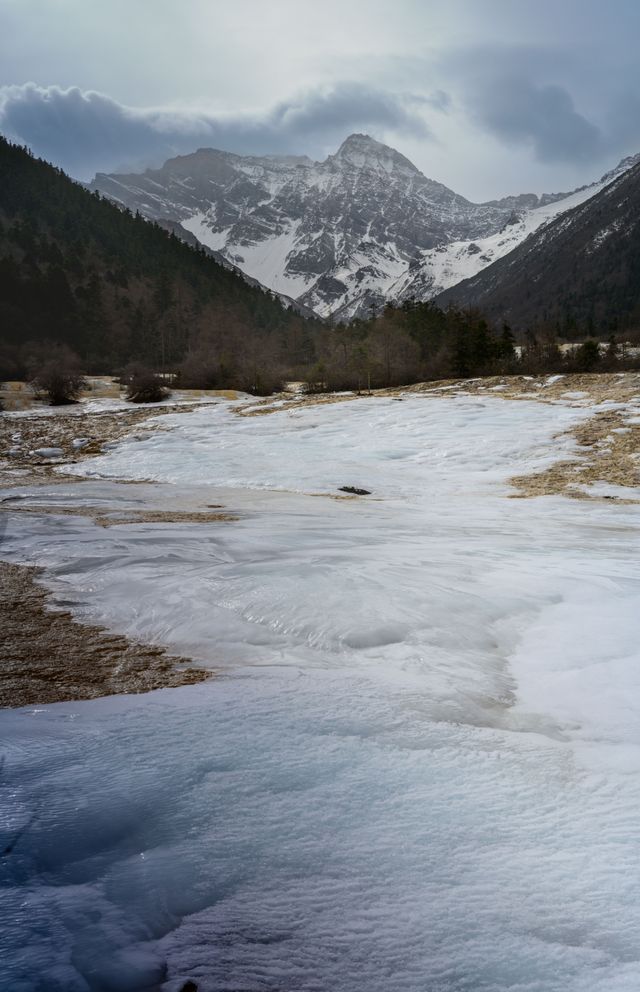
203 231
369 273
603 235
267 262
445 266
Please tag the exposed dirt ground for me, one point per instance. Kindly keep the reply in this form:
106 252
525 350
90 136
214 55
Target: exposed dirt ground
110 519
46 656
27 434
40 426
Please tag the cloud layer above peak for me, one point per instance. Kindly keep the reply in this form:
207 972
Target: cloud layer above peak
502 96
85 132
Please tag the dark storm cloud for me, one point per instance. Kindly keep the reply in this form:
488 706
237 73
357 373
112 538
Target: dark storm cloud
518 94
346 104
522 94
517 110
85 132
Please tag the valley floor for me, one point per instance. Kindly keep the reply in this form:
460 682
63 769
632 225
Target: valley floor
418 766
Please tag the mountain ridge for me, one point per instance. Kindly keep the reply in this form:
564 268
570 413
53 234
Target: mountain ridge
363 227
578 272
333 235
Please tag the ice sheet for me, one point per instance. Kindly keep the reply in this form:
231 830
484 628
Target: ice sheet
310 833
420 767
418 447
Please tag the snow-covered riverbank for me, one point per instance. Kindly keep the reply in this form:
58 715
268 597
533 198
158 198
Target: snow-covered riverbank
421 768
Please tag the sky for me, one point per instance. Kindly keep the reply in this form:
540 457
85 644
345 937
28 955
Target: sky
490 97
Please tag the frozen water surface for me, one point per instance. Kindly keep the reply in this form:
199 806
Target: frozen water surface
419 767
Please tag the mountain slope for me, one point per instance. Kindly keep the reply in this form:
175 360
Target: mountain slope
359 229
76 269
175 228
447 265
579 271
337 235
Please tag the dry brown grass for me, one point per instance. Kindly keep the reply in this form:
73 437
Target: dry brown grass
603 456
58 431
109 519
598 387
46 656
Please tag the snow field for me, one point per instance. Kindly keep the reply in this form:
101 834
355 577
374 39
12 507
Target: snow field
310 833
419 765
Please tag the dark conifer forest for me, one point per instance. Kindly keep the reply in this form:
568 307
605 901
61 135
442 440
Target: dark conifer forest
116 289
77 270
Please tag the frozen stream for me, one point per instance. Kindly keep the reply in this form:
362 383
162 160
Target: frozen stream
419 767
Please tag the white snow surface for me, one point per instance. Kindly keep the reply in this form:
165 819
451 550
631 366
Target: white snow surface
447 265
419 765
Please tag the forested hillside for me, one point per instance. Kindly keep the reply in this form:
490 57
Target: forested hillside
78 270
579 274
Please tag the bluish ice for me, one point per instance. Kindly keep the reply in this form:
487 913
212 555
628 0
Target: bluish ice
418 764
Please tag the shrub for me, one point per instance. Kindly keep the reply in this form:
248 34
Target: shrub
144 386
264 382
59 379
587 356
317 379
198 371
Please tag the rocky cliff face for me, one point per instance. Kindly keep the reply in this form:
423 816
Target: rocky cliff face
338 236
334 235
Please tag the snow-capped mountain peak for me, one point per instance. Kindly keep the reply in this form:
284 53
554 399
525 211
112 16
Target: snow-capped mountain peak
363 152
362 227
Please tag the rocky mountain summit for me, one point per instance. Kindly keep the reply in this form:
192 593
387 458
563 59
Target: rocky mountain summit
339 236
